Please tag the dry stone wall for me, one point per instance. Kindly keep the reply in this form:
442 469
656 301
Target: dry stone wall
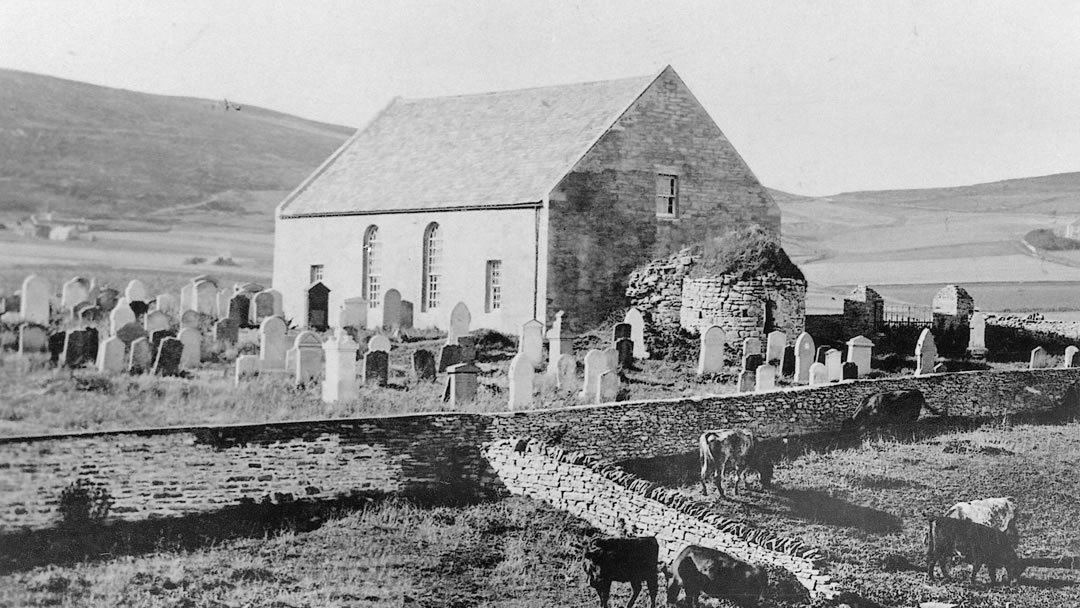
618 503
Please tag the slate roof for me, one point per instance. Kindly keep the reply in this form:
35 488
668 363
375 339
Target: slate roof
489 150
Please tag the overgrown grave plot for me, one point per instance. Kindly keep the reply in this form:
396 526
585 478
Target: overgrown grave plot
864 505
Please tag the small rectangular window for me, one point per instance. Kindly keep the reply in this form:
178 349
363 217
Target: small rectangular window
493 297
316 273
667 195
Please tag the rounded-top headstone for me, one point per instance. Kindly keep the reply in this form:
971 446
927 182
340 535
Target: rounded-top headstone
378 342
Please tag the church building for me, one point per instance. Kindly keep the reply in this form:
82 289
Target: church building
517 203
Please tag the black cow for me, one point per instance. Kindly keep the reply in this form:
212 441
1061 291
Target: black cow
699 570
732 449
977 543
893 407
627 560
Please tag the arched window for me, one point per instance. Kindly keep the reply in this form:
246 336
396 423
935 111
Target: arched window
432 267
372 266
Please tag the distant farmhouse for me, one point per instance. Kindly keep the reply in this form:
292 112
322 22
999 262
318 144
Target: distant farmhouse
517 203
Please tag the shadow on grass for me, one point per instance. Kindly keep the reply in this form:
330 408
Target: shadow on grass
815 506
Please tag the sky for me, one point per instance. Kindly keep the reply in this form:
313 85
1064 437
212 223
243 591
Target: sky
819 97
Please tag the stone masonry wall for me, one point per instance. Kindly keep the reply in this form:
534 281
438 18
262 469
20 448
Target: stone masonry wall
165 472
618 503
738 305
656 288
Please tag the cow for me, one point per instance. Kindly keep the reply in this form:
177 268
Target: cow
977 544
892 407
735 447
999 513
626 560
699 570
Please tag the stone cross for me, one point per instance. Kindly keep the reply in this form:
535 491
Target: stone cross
804 357
925 353
521 378
531 341
637 332
711 355
860 350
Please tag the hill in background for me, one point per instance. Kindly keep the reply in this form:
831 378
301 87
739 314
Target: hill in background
91 151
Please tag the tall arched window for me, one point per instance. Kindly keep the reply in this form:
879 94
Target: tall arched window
372 266
432 267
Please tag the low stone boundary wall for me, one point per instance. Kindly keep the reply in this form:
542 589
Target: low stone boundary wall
619 503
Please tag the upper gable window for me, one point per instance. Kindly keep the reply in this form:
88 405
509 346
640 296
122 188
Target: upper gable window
667 195
316 273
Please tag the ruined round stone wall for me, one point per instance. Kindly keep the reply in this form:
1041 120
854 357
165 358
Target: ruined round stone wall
656 288
739 306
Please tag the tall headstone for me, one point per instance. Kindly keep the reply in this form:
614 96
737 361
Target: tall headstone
423 365
262 307
804 357
191 353
406 319
595 364
765 379
521 378
925 353
139 308
611 359
167 304
620 331
711 357
460 319
531 340
120 316
190 318
272 344
977 335
461 383
774 347
74 292
110 357
353 313
625 348
135 291
247 366
224 299
1072 357
747 381
307 360
449 355
206 298
1039 358
751 346
226 332
750 363
376 370
57 341
36 295
75 348
188 299
239 308
637 332
167 362
141 357
819 374
819 354
468 348
834 362
391 309
787 368
565 372
340 383
607 389
860 351
560 341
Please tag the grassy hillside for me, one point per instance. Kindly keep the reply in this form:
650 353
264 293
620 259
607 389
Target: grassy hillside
99 152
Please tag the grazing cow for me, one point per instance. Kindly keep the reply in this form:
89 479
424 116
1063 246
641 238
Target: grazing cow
977 544
893 407
699 570
736 448
999 513
627 560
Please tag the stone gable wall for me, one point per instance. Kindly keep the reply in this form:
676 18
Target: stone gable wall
179 471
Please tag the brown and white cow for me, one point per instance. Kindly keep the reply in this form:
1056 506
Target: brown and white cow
734 448
891 407
699 570
976 543
627 560
998 513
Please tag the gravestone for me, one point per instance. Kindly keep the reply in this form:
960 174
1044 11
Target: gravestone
90 345
191 353
307 357
36 294
406 321
565 372
190 318
595 364
262 307
135 291
819 354
110 356
1071 357
461 383
751 346
637 332
107 299
249 288
747 381
620 331
56 346
449 355
239 306
120 316
139 308
468 348
157 337
787 368
188 300
819 374
391 309
247 366
625 349
130 332
141 356
169 353
774 347
91 314
460 320
611 356
376 368
607 387
318 306
750 363
74 292
340 383
925 353
849 370
423 363
834 361
227 332
560 341
711 356
977 335
860 351
378 342
206 277
224 297
272 344
32 339
531 340
75 346
940 368
353 313
1039 358
167 304
206 298
520 376
765 378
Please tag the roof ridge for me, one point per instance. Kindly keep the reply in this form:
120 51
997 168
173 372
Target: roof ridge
641 77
